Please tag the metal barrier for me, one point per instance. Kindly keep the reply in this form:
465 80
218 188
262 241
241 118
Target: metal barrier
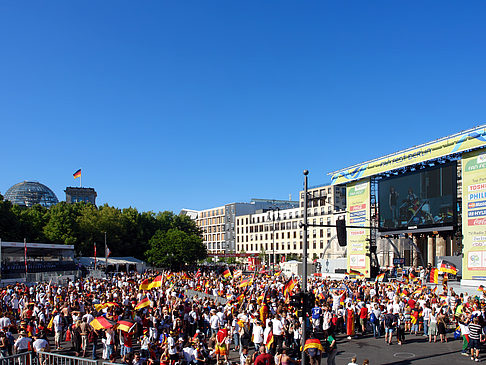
24 358
193 293
49 358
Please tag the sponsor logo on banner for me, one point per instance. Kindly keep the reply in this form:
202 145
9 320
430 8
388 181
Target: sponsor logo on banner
357 207
476 187
356 233
476 205
477 196
482 158
476 213
476 222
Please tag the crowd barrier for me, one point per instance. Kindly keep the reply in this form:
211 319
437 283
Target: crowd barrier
49 358
193 293
25 358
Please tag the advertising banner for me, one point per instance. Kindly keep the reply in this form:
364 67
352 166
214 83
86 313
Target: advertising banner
474 138
358 214
474 215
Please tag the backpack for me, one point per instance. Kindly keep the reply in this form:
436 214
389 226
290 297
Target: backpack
372 317
389 320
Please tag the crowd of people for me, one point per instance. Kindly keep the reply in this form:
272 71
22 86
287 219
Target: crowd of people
198 317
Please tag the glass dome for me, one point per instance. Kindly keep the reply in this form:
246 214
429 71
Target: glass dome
29 193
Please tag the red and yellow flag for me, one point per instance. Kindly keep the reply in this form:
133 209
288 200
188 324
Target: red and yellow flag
157 282
227 274
145 302
313 343
434 276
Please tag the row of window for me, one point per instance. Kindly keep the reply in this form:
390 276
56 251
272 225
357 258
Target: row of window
212 213
264 237
294 246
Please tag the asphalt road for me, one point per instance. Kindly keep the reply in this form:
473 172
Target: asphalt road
416 350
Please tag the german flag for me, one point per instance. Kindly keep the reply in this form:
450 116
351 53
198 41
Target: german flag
380 277
448 267
418 291
354 272
246 282
185 276
77 174
145 302
313 343
321 296
157 282
100 323
434 276
269 343
126 325
227 274
289 286
481 288
145 284
100 307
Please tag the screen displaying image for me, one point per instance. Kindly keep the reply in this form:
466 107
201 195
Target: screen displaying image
424 198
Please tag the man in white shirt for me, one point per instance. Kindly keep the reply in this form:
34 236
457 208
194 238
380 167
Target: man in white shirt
277 331
214 322
257 334
23 343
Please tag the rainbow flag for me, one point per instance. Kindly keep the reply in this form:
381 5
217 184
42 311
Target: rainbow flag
77 174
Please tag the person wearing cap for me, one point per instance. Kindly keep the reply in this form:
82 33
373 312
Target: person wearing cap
23 343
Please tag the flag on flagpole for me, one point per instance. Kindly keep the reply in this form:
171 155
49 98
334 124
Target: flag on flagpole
145 302
107 251
448 267
226 273
380 277
77 174
95 253
25 254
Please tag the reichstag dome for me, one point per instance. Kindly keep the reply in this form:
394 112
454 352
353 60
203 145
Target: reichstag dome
29 193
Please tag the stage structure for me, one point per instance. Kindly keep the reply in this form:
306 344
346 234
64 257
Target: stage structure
425 202
36 262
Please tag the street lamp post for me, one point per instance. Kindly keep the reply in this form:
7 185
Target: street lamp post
304 268
272 261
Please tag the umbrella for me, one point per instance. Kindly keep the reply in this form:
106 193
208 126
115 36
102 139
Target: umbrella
100 323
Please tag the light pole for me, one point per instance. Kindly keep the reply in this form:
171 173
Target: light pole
304 268
272 261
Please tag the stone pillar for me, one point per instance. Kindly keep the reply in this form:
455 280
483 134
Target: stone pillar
416 259
440 246
430 250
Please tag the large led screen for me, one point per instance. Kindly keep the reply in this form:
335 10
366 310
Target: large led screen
421 199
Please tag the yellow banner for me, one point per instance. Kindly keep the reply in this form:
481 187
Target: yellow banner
460 142
358 214
474 215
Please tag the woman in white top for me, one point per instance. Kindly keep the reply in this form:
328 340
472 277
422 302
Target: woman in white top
433 325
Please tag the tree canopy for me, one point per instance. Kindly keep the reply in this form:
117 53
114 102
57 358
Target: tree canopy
128 231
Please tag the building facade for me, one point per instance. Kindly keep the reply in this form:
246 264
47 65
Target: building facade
218 224
277 233
76 194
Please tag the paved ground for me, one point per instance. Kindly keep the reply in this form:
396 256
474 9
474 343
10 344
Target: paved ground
416 350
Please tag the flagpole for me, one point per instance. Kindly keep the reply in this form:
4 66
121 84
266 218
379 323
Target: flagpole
106 256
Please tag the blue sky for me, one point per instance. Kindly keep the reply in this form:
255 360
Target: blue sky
194 104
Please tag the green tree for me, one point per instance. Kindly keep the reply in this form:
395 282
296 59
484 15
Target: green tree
9 223
175 248
61 226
